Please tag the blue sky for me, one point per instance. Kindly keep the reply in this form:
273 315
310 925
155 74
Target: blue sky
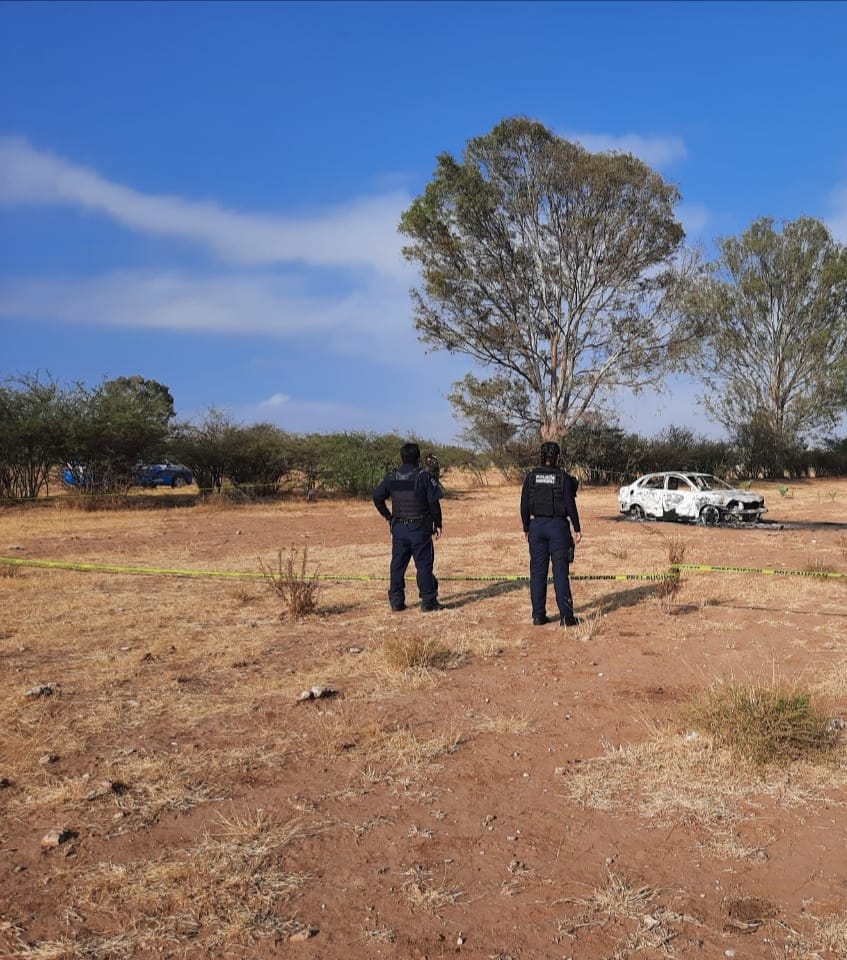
207 194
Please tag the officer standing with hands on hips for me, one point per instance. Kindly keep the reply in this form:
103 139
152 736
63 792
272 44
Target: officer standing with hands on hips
414 518
548 510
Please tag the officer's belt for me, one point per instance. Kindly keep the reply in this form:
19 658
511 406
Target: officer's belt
407 520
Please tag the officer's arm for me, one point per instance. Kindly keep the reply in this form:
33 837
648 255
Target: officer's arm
573 513
433 496
525 505
380 496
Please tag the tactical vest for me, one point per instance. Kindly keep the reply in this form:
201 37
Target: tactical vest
408 502
547 492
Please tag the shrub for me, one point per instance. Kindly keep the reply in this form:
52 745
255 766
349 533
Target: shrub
765 723
298 590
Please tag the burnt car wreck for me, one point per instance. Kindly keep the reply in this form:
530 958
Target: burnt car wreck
690 497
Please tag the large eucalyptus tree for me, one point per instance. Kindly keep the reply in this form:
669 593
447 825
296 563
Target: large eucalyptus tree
558 268
773 311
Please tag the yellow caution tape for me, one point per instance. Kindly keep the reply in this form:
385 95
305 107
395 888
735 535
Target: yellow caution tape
241 575
773 571
495 578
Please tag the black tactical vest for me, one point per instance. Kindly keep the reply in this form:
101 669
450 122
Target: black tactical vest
547 492
408 502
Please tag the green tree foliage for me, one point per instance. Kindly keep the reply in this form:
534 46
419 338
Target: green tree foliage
116 426
354 463
557 267
35 420
773 311
680 448
258 457
601 452
205 448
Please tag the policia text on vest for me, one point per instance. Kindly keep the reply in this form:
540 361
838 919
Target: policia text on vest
414 518
548 512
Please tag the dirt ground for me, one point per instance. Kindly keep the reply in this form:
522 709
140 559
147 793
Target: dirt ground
469 786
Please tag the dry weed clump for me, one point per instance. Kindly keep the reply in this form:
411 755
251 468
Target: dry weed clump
677 547
765 723
617 897
425 893
418 653
666 591
298 590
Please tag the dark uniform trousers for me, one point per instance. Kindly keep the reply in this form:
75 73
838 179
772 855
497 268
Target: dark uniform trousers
549 540
412 540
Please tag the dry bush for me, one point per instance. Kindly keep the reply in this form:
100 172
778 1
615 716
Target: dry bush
765 723
9 570
298 590
676 549
418 653
667 589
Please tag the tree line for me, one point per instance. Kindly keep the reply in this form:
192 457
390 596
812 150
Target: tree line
106 431
100 435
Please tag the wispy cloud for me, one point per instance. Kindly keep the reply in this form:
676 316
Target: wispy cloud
371 319
659 151
360 233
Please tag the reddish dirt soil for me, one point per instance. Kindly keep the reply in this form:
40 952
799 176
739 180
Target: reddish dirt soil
478 852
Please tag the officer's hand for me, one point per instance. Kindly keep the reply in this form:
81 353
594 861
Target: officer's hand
577 537
526 535
437 533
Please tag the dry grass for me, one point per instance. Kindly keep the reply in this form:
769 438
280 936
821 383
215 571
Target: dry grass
827 938
423 892
687 779
418 654
617 897
516 724
243 852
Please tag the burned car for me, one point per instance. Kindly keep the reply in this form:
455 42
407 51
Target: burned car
688 496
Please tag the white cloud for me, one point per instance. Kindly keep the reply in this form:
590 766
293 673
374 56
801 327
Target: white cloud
837 221
362 232
277 400
659 151
372 319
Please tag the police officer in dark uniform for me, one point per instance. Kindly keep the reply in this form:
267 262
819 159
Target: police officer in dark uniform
548 510
415 517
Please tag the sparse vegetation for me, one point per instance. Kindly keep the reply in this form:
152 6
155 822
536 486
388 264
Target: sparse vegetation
765 723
